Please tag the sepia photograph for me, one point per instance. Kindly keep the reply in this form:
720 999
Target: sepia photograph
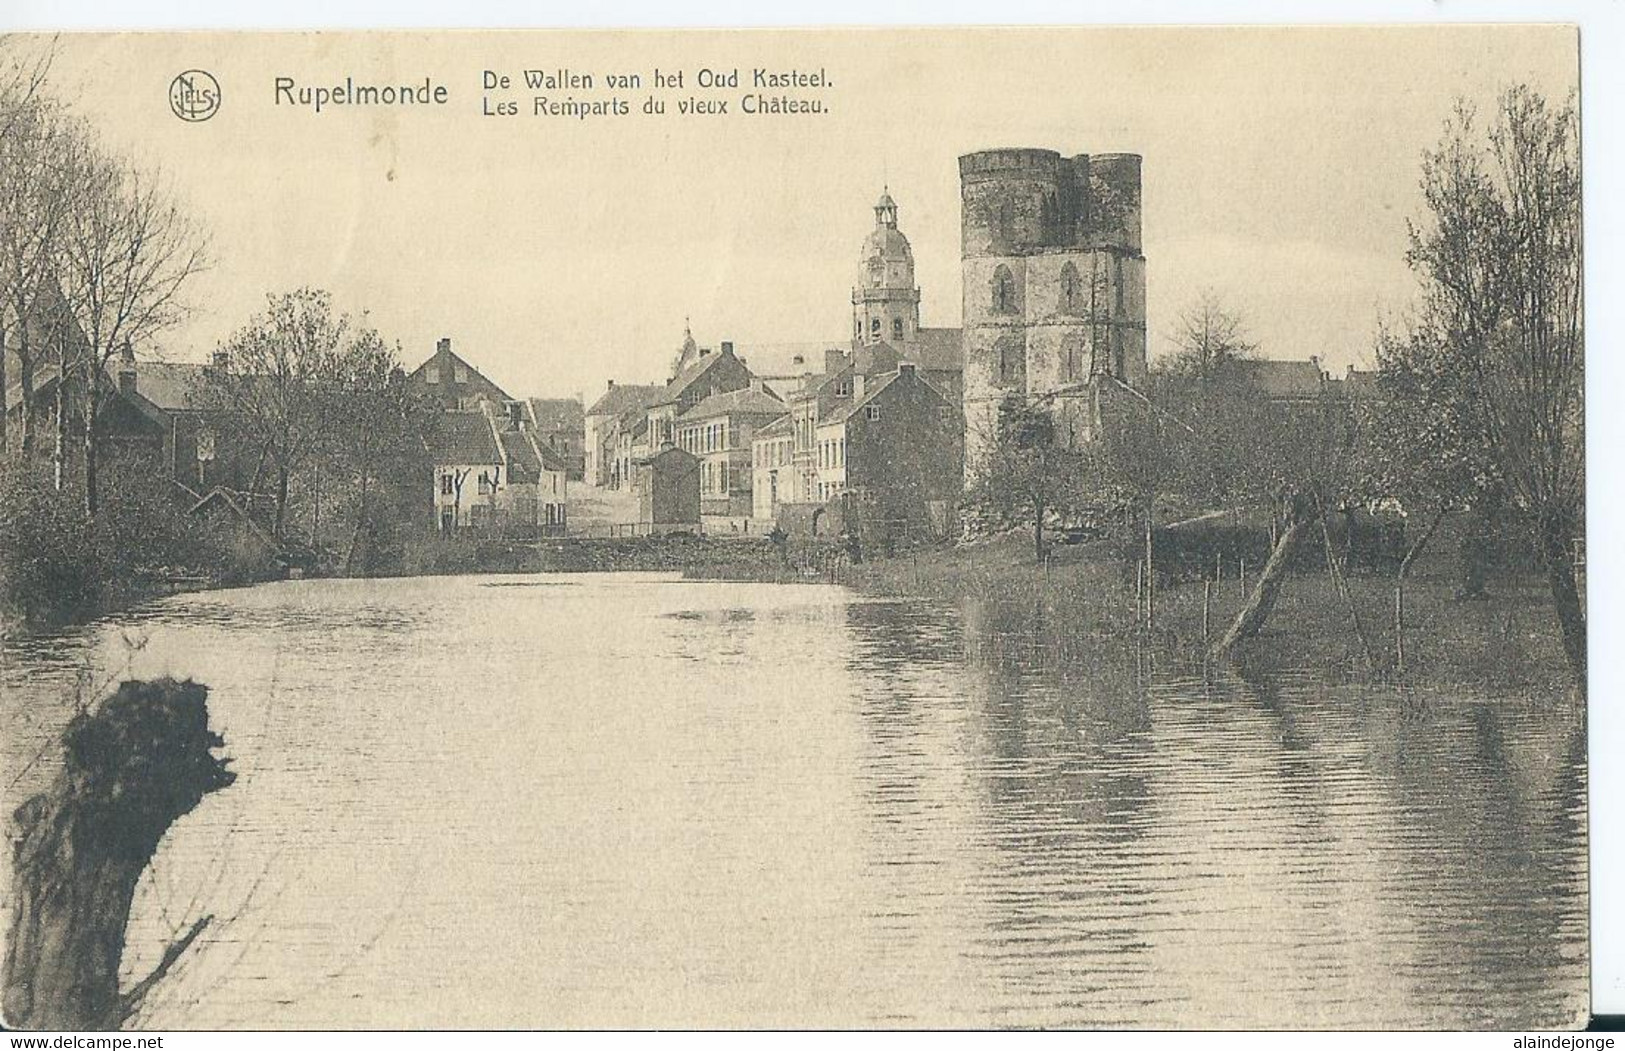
794 529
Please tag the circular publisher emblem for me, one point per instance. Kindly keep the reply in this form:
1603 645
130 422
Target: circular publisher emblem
194 95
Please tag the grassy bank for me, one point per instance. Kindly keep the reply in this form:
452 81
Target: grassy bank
1085 597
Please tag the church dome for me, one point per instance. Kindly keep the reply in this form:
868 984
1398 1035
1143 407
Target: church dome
886 243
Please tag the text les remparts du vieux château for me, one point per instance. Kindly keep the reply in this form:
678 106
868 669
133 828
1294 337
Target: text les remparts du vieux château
558 84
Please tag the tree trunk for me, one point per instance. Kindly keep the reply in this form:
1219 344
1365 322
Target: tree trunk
1412 553
1554 540
25 405
1150 569
92 396
281 501
130 770
1038 531
5 391
59 453
1261 602
1334 569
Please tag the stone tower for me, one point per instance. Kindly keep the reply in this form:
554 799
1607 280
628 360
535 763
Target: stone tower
1054 284
885 301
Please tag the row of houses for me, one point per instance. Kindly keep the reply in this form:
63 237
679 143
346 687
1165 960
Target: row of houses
499 463
779 432
491 460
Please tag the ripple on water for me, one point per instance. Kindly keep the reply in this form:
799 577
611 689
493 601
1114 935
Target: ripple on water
639 801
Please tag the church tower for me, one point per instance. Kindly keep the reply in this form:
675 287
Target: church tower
885 302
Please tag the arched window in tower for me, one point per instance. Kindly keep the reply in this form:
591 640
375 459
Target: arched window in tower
1011 362
896 328
1074 357
1071 290
1004 291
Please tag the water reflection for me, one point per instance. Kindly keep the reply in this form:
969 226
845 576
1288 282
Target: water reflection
631 801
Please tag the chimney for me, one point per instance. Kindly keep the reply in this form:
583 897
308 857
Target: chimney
611 384
443 345
798 360
126 369
221 359
905 368
704 351
757 385
857 386
727 348
834 361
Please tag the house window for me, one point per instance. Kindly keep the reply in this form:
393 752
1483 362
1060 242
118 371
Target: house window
874 326
896 328
872 412
485 483
445 485
843 388
460 374
431 374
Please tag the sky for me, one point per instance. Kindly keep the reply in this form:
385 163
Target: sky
1280 166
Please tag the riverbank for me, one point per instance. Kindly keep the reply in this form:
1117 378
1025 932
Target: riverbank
1084 596
1081 599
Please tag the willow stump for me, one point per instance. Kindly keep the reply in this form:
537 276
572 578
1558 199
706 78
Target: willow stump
130 769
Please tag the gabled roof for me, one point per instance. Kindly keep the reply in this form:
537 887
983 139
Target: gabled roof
842 410
476 377
690 375
557 414
746 401
1276 378
463 437
938 350
172 386
779 428
623 397
785 360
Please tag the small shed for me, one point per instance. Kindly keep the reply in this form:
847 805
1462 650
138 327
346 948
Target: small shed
668 487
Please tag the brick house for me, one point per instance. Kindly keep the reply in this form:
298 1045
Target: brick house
719 430
452 382
884 448
668 487
614 413
561 427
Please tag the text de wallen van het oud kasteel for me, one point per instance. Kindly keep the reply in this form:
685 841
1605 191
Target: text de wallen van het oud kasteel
561 92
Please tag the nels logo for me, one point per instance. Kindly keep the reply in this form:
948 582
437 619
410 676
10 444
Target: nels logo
194 95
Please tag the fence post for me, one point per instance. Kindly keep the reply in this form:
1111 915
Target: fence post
1399 626
1243 579
1207 606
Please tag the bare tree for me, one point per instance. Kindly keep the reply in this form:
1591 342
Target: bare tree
272 384
1208 336
35 189
127 248
376 427
1500 254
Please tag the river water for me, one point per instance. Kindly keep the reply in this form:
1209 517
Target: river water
631 801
